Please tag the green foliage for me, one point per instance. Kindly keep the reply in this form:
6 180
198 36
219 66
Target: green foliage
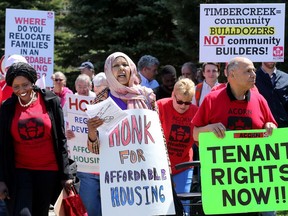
93 29
186 18
133 27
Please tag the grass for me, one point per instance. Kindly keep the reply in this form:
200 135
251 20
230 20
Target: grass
282 213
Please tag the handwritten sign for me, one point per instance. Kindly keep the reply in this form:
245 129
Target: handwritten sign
30 33
255 31
247 171
134 173
77 122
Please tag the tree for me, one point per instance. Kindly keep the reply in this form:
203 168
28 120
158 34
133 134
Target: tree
92 29
134 27
185 15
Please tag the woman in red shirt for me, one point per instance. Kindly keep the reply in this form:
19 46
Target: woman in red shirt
175 114
33 155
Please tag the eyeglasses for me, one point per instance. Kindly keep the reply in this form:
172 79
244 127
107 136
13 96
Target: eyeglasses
180 102
56 80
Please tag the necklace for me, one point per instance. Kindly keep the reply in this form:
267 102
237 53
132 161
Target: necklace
31 101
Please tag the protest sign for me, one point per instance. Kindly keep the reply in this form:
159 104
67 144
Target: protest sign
77 122
244 172
30 33
134 172
107 110
255 31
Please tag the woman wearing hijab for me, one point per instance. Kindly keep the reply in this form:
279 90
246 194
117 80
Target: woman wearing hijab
127 93
124 89
33 155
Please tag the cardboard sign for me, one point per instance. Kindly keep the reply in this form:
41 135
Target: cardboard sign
134 172
77 123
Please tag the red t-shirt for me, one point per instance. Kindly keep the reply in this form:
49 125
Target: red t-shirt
218 106
6 90
0 97
33 144
178 132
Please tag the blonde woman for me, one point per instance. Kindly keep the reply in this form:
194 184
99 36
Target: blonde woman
179 133
60 89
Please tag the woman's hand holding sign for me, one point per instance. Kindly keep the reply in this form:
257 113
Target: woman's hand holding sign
93 139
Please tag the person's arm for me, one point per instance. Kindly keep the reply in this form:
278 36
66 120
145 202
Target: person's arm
4 192
217 128
69 134
156 108
268 116
58 131
93 139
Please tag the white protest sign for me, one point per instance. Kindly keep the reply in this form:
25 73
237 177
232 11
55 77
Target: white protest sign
134 172
77 122
255 31
30 33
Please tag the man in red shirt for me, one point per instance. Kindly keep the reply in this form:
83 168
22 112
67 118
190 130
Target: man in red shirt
234 107
215 117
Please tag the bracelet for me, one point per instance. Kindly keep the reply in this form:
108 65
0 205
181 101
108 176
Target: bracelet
95 149
92 141
94 144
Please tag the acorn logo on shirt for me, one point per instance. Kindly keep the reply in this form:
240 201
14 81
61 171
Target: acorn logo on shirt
31 128
239 123
180 133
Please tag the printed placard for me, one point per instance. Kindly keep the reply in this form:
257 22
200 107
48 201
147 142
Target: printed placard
30 33
255 31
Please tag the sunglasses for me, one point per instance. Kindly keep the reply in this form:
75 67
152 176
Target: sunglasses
56 80
180 102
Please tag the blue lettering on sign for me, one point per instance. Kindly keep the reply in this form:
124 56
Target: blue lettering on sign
79 129
121 196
